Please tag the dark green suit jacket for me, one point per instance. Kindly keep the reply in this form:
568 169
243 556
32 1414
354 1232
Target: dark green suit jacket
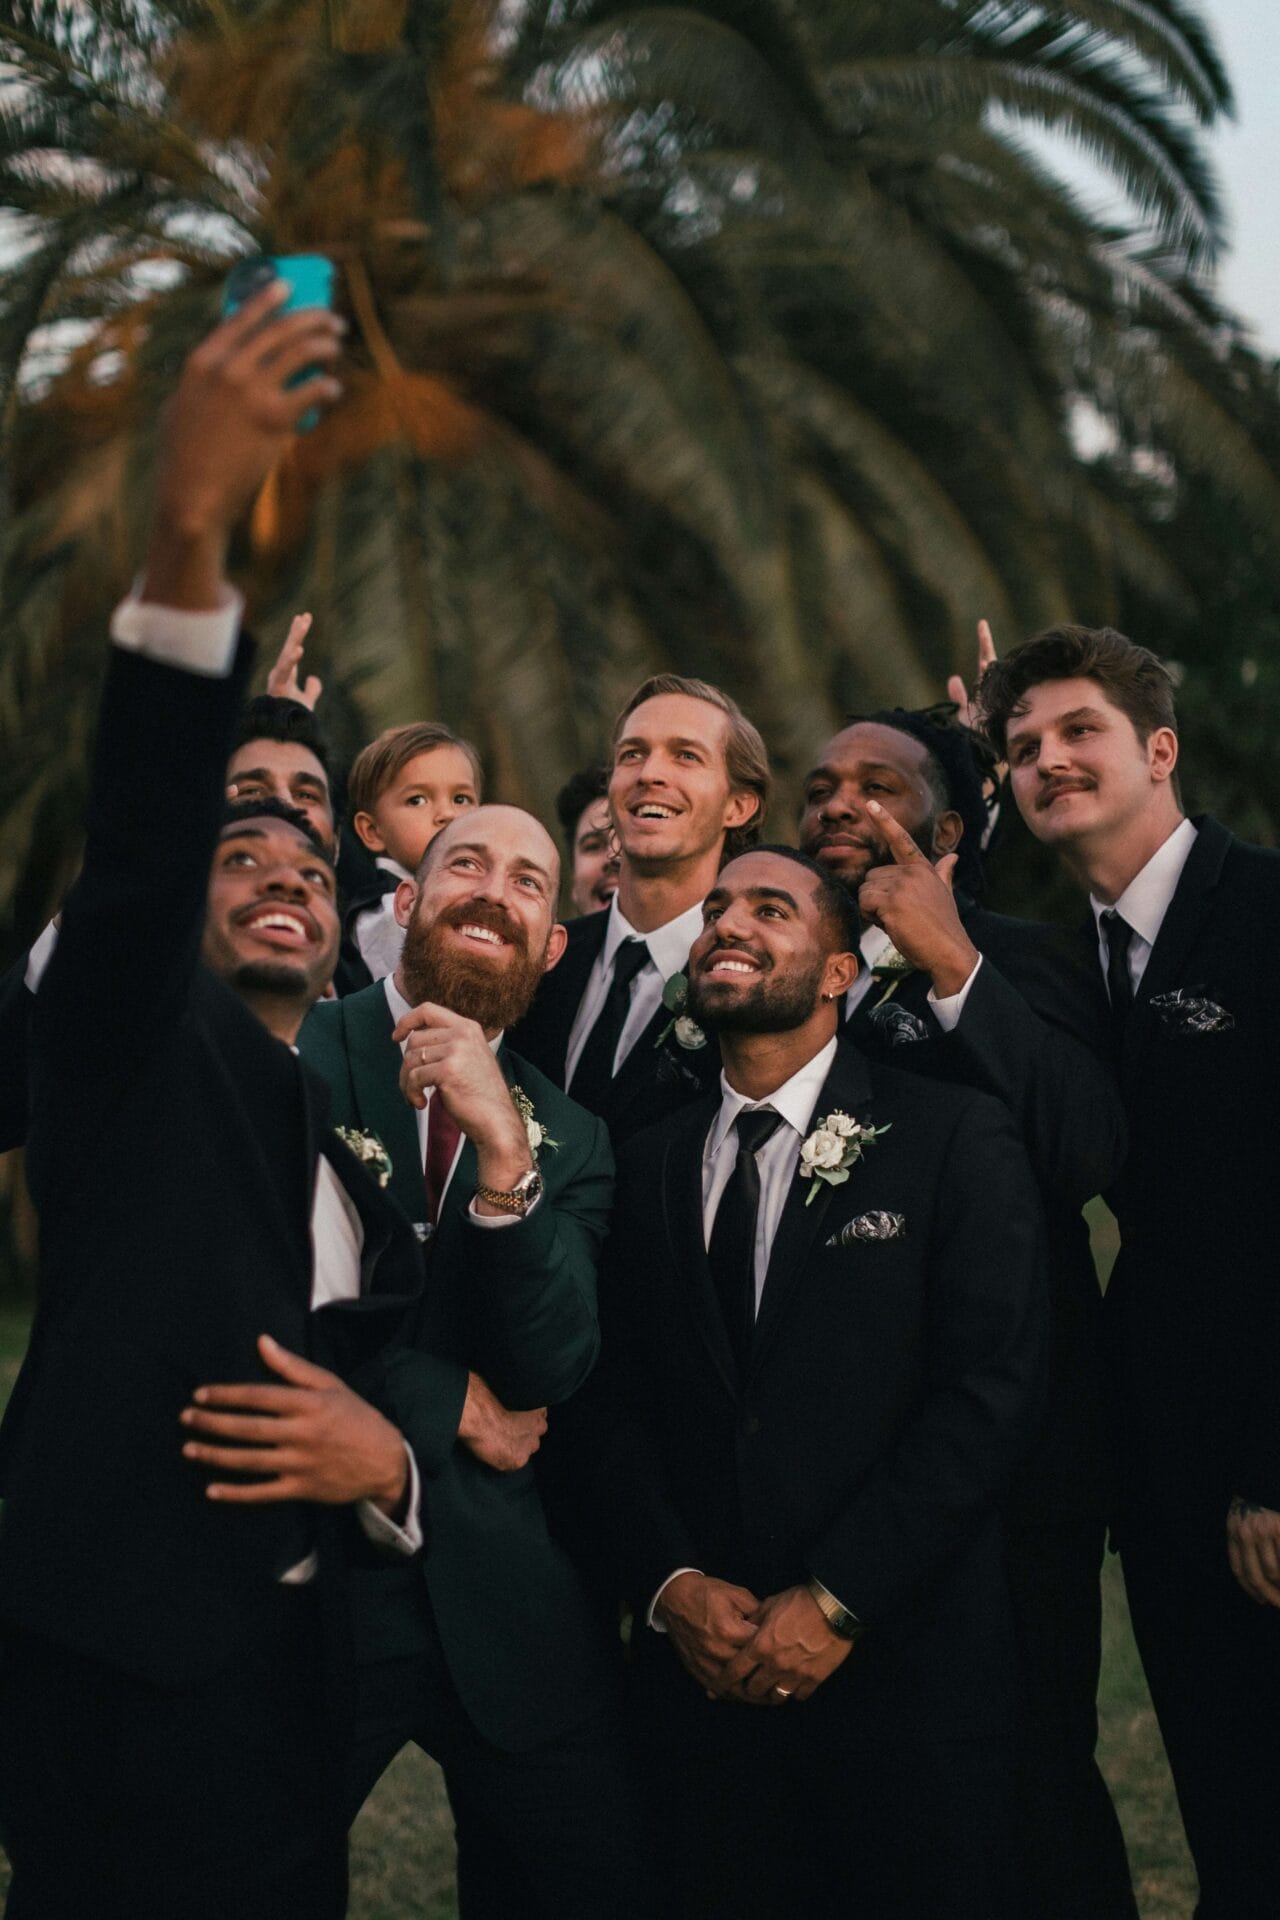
517 1305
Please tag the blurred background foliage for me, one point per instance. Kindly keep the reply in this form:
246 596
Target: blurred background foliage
754 339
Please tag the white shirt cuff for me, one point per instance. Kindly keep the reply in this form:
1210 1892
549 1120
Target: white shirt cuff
40 956
649 1619
199 642
947 1012
488 1220
384 1532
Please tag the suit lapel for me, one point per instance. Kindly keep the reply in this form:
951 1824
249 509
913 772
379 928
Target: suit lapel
373 1058
565 985
847 1090
682 1212
1188 913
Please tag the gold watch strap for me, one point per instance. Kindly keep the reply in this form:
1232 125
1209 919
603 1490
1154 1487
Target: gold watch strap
837 1617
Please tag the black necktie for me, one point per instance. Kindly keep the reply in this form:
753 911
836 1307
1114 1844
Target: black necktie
593 1075
1118 933
731 1253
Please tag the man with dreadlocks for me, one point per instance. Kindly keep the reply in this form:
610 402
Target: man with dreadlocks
894 808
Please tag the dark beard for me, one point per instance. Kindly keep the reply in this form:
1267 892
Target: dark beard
261 976
469 986
772 1006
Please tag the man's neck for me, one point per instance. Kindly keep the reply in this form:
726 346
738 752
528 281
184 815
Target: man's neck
757 1064
654 896
1107 867
279 1013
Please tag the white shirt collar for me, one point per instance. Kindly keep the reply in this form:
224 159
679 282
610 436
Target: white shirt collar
668 945
1145 900
795 1099
875 943
389 865
400 1006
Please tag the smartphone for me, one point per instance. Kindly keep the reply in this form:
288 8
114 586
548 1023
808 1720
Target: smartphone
310 281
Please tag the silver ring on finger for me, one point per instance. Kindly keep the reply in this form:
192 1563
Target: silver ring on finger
783 1693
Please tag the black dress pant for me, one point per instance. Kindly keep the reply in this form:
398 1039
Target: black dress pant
120 1800
1071 1853
771 1813
1212 1660
556 1832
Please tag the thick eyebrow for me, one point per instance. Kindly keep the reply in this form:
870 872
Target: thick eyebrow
477 846
316 780
243 830
720 894
863 766
638 740
1062 720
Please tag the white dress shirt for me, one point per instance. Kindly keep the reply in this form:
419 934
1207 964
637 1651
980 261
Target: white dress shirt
399 1007
378 934
668 954
1145 901
205 643
778 1159
875 944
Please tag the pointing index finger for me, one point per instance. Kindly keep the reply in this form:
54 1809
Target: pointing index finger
901 845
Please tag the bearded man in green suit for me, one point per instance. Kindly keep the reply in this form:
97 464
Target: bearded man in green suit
486 1649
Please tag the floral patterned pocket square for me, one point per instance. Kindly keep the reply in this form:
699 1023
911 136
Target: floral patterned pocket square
896 1025
1186 1010
870 1226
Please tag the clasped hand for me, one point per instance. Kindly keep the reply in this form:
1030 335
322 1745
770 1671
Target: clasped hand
761 1653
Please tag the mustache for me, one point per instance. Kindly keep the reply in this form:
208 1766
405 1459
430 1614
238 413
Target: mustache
494 917
1048 794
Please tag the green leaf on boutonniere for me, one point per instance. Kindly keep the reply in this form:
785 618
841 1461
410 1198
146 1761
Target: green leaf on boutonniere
535 1132
369 1151
687 1032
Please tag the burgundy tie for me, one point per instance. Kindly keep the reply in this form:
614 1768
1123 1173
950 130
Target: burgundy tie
443 1135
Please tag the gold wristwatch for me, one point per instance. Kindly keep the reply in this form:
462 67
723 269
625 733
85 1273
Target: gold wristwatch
841 1622
520 1198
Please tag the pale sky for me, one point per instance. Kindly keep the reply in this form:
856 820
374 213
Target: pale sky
1246 154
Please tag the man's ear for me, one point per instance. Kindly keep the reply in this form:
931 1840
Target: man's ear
366 829
948 832
1162 753
405 901
556 944
839 974
742 808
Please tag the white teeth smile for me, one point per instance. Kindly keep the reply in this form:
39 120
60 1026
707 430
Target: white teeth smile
652 810
732 966
280 922
483 933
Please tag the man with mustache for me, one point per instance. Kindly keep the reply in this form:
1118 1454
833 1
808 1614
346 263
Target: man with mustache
1183 927
487 1652
894 810
823 1317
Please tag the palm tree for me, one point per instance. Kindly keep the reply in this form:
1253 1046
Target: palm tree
750 337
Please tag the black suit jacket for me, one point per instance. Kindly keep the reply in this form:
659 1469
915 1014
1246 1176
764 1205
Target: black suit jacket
172 1155
1193 1309
15 1031
654 1080
886 1394
1035 1032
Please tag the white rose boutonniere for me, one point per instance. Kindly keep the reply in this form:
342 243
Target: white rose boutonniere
535 1132
369 1151
836 1144
890 970
688 1034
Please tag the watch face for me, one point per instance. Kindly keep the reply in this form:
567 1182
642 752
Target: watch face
530 1187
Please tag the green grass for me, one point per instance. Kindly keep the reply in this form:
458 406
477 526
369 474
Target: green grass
402 1845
